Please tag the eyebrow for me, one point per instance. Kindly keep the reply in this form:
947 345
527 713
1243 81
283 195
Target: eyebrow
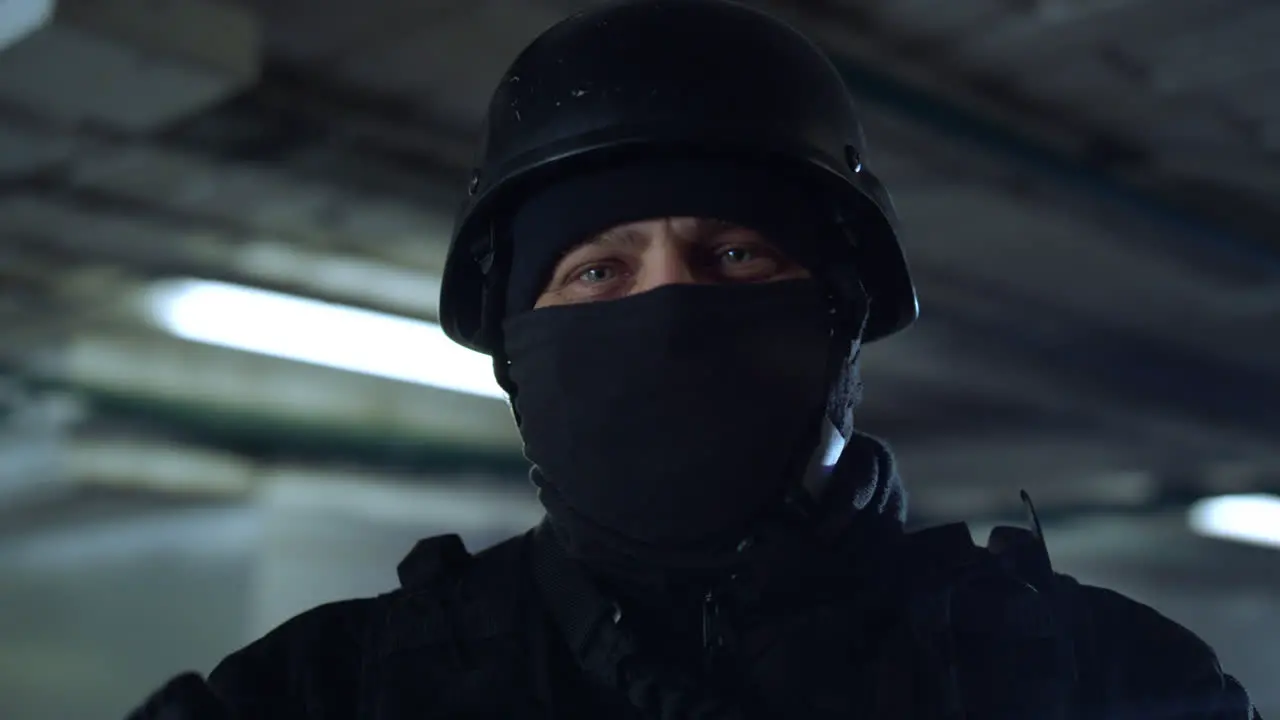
621 236
626 236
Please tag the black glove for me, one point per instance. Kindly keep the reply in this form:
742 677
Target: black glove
186 697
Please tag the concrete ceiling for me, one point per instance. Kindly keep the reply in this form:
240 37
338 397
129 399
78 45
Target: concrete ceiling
1088 206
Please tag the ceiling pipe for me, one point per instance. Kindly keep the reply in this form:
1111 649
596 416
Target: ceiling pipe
1170 227
1187 233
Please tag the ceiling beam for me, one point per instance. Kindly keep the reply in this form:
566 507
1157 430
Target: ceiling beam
895 75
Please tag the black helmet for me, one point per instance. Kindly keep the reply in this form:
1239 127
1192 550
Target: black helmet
644 77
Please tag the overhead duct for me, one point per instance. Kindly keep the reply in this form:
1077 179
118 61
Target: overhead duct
236 389
158 467
147 464
149 245
130 66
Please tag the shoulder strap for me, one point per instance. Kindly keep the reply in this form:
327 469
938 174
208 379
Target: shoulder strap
988 619
937 560
452 632
948 551
465 598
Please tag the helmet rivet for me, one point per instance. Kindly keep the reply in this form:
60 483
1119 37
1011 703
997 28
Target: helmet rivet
853 158
474 184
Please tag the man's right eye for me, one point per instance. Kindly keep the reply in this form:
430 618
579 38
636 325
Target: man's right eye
595 274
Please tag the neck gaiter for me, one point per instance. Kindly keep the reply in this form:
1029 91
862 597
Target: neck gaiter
669 421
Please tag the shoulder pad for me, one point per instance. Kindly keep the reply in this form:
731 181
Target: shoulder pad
448 594
432 559
1021 551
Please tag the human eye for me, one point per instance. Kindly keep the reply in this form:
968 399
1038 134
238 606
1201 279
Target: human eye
747 261
595 270
592 278
594 274
736 255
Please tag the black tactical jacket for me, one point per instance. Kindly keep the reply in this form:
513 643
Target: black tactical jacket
487 637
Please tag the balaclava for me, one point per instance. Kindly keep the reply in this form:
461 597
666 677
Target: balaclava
664 426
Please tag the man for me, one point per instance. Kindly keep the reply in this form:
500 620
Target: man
673 252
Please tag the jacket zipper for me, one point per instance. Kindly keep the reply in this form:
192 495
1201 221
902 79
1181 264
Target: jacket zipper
712 639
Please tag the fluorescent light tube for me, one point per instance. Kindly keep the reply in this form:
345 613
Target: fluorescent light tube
320 333
1253 519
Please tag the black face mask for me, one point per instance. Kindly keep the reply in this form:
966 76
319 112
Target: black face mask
675 417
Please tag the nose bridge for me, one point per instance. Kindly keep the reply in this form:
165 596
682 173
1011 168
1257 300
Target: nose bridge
665 261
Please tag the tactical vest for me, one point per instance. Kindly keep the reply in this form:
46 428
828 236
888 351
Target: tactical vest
982 637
